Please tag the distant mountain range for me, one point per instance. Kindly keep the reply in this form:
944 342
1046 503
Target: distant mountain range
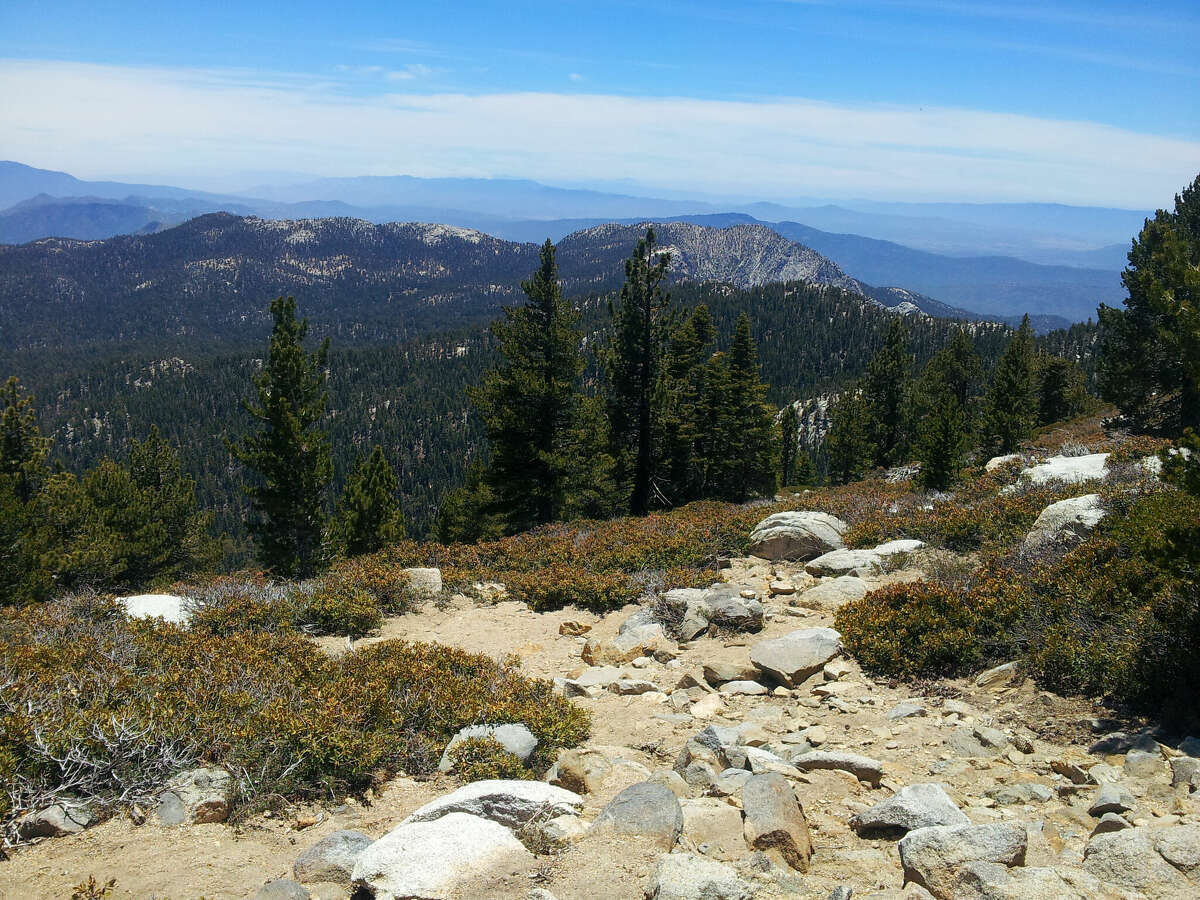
882 244
208 280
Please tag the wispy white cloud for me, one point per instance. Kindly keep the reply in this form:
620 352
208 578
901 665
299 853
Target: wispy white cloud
92 120
410 72
575 76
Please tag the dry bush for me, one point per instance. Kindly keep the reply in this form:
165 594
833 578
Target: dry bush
102 710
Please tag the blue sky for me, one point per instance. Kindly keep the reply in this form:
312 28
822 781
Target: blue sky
913 99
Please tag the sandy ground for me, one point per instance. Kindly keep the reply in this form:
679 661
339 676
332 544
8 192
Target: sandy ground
643 733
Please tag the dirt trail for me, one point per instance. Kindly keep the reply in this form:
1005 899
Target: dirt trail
643 734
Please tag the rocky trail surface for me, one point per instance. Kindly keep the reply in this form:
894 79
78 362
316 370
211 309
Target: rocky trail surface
736 752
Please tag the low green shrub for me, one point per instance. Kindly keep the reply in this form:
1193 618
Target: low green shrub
911 630
142 700
1117 616
336 605
479 759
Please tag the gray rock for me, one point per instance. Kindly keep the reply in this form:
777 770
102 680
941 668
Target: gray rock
907 711
743 688
282 889
647 809
730 782
1111 798
509 802
997 675
196 796
912 807
1021 792
797 655
433 860
932 856
977 741
841 892
1190 746
796 535
332 858
1128 858
835 593
1185 770
582 770
517 739
1120 742
632 687
1180 846
728 609
775 822
861 562
861 767
846 562
1066 523
1110 822
1068 469
424 582
687 876
718 672
1143 764
55 820
993 881
644 616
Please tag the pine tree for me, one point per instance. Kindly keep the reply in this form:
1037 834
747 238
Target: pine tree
1060 386
682 433
749 440
469 514
884 390
530 402
23 450
806 472
368 516
1149 361
1012 401
289 455
942 441
147 510
789 429
849 443
633 360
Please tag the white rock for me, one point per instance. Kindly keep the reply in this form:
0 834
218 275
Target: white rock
932 856
835 593
997 461
509 802
168 607
1066 522
427 582
432 860
796 535
1068 469
687 876
797 655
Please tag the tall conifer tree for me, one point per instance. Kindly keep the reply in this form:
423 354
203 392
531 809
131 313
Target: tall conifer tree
289 454
1149 361
529 404
789 429
753 467
1012 401
884 390
633 361
368 516
849 443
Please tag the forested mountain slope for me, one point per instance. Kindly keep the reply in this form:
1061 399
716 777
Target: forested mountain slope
410 396
208 280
